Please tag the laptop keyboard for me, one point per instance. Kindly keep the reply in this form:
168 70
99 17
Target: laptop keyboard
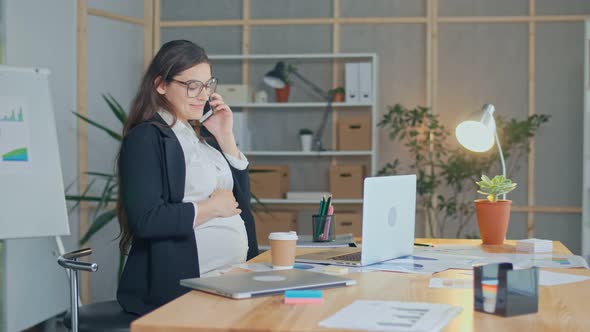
352 257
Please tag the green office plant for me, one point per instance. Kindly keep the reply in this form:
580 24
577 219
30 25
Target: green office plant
447 174
284 71
289 69
338 94
305 131
105 211
493 215
492 188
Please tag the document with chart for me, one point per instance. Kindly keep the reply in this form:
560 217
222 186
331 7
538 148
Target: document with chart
392 316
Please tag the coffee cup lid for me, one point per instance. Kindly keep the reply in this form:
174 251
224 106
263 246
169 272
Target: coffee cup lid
283 236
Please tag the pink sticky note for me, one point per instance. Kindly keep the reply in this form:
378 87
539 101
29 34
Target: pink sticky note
290 300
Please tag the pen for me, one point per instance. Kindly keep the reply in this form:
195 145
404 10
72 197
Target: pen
328 204
418 244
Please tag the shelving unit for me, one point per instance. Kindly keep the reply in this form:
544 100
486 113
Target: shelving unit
251 77
299 105
586 148
307 154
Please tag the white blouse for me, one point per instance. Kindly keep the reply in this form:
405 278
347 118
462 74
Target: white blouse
221 242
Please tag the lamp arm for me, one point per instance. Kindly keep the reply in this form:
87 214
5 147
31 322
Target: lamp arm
501 159
314 87
317 141
320 132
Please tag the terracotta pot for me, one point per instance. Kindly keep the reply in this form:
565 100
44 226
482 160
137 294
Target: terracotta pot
282 94
492 220
338 97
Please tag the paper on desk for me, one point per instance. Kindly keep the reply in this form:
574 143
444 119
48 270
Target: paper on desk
456 258
218 272
392 316
549 260
410 264
548 278
450 283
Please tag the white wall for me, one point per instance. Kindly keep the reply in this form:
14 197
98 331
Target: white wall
42 34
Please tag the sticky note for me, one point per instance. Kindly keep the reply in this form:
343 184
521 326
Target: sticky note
294 300
303 294
336 269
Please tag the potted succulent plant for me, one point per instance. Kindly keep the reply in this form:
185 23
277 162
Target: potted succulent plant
493 214
338 94
306 137
285 70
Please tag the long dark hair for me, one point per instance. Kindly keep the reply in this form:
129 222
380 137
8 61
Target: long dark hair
173 58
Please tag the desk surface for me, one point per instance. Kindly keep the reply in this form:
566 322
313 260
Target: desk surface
561 308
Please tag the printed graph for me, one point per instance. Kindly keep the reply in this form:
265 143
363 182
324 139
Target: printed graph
19 154
14 115
15 140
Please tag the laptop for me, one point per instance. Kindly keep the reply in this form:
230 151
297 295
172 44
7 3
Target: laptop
253 284
389 213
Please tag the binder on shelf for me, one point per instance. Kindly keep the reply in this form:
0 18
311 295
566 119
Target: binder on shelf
365 80
241 132
351 81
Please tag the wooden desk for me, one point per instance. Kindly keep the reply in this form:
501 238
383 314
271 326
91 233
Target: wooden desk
561 308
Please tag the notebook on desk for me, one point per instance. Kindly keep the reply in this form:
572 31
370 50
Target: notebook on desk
389 213
247 285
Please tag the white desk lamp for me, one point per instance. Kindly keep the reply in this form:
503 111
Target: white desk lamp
479 136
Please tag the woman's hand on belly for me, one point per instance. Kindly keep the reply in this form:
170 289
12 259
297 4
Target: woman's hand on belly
221 203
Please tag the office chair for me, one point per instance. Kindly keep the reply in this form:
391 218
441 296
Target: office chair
100 316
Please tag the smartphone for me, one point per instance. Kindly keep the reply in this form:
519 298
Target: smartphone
207 111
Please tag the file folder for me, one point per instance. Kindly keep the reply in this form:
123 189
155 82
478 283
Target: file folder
351 80
365 82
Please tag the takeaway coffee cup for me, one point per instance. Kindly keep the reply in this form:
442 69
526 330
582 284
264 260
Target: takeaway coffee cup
282 249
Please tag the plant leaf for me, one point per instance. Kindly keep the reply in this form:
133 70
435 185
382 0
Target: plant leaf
74 198
99 126
104 198
115 107
98 223
105 175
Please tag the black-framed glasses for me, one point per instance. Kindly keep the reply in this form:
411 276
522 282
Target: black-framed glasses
195 87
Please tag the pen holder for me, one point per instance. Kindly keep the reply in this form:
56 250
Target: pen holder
500 290
323 228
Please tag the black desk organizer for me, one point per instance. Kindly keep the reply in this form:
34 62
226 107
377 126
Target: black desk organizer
518 290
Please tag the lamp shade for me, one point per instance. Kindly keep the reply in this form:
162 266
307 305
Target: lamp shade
474 136
478 136
274 78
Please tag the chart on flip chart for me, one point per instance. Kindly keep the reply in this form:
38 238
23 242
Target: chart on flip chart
31 181
15 142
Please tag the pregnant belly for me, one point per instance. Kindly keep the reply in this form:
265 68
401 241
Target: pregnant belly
221 242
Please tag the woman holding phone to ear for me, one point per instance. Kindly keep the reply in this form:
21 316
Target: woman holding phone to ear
184 196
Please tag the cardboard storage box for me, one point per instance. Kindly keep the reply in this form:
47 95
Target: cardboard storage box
346 181
233 93
354 133
273 221
349 222
269 181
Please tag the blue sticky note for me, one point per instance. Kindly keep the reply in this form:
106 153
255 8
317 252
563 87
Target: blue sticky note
304 294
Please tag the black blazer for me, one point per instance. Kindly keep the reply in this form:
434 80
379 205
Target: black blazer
152 171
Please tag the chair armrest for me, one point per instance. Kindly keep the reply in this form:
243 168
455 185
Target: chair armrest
69 261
